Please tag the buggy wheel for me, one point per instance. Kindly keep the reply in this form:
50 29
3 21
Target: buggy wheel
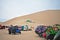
19 32
40 35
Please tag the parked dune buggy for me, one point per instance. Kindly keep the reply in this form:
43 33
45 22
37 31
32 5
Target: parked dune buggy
14 30
40 30
51 32
2 27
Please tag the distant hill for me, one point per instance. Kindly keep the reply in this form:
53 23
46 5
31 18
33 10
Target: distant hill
48 17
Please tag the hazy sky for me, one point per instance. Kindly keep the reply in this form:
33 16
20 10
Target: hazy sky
13 8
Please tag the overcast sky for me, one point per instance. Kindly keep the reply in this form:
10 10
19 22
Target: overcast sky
13 8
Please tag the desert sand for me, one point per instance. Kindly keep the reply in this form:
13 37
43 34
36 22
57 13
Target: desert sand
26 35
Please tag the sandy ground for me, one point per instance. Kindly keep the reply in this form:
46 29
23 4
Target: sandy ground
26 35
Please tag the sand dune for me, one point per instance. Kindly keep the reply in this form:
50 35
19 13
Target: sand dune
47 17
